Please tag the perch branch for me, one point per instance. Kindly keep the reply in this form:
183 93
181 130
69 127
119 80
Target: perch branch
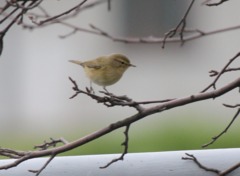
111 100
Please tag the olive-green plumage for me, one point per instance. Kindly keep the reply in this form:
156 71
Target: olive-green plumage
105 70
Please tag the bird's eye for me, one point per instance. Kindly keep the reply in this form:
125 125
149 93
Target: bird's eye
121 62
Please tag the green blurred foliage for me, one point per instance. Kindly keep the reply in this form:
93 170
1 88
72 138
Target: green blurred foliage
186 133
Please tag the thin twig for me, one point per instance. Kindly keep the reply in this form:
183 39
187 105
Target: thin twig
215 138
125 151
229 170
62 14
181 25
34 4
217 3
44 166
18 18
215 72
213 84
197 33
12 153
195 160
52 143
109 99
218 172
231 106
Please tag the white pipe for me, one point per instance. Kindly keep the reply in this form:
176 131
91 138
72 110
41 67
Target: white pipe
134 164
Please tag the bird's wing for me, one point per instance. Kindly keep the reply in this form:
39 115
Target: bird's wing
97 64
92 65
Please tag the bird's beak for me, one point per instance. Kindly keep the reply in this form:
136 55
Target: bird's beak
131 65
75 62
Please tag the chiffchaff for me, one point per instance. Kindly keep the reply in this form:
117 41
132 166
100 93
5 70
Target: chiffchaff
105 70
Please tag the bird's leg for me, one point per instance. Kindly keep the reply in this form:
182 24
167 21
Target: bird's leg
107 92
105 89
91 90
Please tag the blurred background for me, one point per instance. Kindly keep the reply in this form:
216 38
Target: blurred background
35 89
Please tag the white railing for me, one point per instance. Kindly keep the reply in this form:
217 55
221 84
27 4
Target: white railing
134 164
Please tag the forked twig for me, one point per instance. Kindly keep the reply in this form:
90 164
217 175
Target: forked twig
111 100
125 151
181 25
213 84
52 143
37 172
193 158
51 19
218 172
224 131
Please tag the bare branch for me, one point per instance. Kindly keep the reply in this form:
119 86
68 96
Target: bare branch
215 72
43 167
125 144
52 143
168 38
215 138
63 13
213 84
110 99
231 106
11 153
230 169
193 158
17 19
217 3
74 31
181 25
232 69
25 6
196 34
17 4
218 172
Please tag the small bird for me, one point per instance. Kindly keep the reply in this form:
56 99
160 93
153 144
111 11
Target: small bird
105 70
